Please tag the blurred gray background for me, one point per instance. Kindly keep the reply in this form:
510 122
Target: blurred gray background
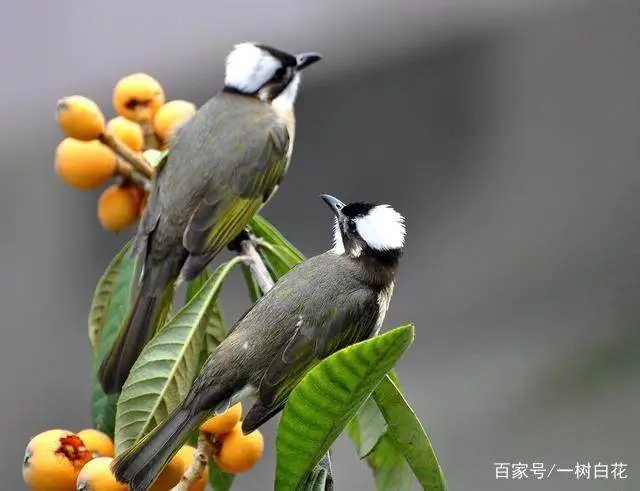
507 131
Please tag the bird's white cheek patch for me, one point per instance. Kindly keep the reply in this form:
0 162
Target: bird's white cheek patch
249 67
382 228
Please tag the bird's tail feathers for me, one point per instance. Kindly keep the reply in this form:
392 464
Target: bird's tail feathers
141 464
150 309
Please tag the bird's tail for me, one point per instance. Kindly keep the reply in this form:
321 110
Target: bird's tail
141 464
150 307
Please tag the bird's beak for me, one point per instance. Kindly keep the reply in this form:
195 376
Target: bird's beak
334 203
303 60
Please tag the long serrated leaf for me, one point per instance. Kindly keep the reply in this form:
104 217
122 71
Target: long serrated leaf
164 371
324 401
263 229
219 480
409 435
118 281
105 290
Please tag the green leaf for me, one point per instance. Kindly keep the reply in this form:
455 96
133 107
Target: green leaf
219 480
263 229
252 285
103 409
153 156
367 427
195 285
108 310
324 401
277 259
390 469
105 290
163 373
369 431
216 327
409 436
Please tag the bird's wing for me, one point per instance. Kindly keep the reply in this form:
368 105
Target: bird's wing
150 218
352 320
229 206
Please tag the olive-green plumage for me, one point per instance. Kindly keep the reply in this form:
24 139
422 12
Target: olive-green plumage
268 351
326 303
223 165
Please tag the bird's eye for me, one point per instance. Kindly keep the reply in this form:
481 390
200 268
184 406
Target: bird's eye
351 226
278 76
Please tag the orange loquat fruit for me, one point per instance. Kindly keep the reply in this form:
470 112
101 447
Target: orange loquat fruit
52 461
97 442
171 474
139 195
239 452
223 423
171 116
127 131
118 208
80 117
96 475
84 164
185 455
137 97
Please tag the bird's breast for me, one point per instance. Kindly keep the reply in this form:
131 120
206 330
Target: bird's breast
384 297
288 117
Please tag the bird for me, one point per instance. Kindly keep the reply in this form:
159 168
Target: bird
223 165
326 303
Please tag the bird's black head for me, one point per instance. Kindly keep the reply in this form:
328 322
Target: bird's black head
367 230
265 72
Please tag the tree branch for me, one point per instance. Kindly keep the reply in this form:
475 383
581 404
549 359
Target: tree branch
204 452
256 265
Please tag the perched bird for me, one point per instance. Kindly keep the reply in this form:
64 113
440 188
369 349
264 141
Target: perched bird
223 165
328 302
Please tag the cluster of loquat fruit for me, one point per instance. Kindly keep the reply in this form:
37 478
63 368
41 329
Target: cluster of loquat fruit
94 152
60 460
86 158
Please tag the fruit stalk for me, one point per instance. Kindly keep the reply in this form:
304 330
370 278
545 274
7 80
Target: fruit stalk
139 164
129 174
204 452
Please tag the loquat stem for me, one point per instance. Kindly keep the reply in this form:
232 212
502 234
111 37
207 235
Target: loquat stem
204 452
139 164
127 172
